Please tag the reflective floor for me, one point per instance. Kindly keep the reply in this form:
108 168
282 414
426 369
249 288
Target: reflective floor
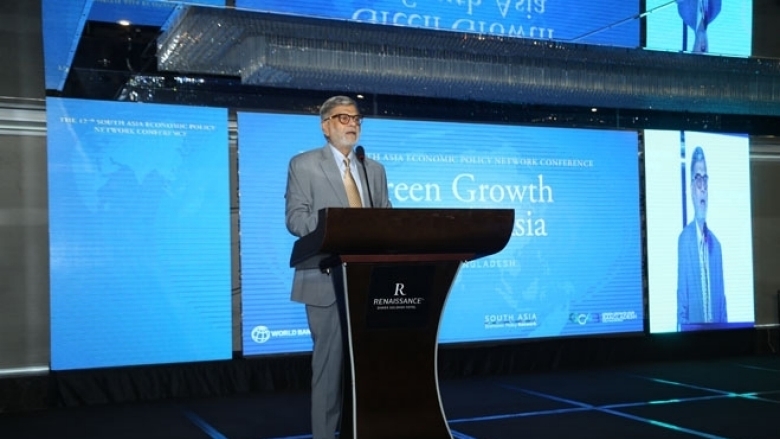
736 398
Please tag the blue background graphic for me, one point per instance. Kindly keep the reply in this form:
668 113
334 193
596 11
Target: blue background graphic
580 256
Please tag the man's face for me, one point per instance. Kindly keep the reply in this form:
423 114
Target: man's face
699 188
342 136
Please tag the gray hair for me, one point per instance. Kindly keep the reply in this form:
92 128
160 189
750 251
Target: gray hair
696 157
334 102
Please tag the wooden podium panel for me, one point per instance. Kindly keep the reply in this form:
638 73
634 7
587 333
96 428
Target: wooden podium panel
392 270
345 231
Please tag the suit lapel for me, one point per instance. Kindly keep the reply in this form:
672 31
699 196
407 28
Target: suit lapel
331 172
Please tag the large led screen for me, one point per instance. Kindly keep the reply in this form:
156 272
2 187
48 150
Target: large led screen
139 223
699 239
592 22
721 27
573 263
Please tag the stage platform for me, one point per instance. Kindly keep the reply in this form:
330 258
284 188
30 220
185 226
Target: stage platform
728 397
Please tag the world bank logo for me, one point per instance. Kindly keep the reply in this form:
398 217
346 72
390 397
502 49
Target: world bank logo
261 334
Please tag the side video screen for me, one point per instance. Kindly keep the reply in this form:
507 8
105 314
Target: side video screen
139 223
699 238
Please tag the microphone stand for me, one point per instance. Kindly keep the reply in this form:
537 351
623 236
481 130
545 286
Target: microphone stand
360 152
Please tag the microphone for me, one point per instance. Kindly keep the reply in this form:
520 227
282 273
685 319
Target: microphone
360 152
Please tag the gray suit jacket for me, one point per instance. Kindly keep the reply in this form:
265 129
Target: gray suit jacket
314 183
690 306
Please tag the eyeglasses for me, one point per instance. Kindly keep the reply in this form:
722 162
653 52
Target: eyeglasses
345 118
702 181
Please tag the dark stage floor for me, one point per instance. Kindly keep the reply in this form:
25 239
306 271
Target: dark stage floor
736 398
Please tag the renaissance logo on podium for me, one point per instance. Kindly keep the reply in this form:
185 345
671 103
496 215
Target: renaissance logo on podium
399 296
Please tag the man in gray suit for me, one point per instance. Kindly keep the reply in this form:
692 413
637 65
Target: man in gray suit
701 296
316 179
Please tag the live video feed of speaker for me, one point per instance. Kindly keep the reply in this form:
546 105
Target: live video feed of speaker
718 27
699 237
572 265
139 222
604 22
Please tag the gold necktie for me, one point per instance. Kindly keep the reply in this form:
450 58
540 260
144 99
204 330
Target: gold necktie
349 184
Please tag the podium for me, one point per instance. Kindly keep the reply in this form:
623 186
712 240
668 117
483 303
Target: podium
392 270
